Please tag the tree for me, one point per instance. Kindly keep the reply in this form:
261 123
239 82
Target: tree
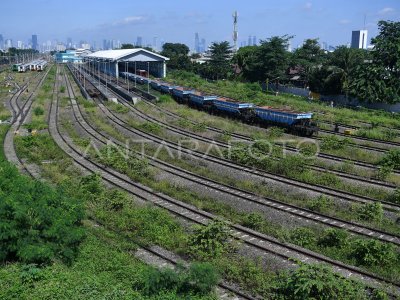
377 80
220 59
246 60
127 46
273 59
178 55
308 57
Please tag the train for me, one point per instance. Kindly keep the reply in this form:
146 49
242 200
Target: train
37 65
295 122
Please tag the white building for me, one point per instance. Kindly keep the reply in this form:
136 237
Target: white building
359 39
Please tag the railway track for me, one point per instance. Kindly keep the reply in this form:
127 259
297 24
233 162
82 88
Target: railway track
245 196
248 237
365 147
373 182
255 172
20 114
124 183
249 139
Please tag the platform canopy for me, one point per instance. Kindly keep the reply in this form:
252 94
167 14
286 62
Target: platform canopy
121 55
111 61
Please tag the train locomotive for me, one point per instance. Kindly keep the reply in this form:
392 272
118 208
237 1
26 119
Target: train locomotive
299 123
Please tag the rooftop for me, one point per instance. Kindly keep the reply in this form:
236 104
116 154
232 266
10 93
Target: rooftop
120 54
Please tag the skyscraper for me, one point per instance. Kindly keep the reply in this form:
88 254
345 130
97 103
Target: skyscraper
203 45
249 41
254 40
35 45
359 39
69 42
1 42
139 41
196 42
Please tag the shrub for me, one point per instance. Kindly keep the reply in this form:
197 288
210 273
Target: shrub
304 237
332 142
62 89
38 111
372 252
318 282
333 238
150 127
391 159
383 172
395 196
164 99
320 204
308 149
30 273
37 222
209 241
275 132
254 221
199 127
371 211
198 279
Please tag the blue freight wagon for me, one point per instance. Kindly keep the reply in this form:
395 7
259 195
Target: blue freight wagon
298 122
201 100
233 107
155 85
180 93
166 88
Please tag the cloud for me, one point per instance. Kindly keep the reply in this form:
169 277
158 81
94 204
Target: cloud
132 20
307 6
344 22
386 10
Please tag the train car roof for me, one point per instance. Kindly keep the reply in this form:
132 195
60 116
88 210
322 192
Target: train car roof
283 110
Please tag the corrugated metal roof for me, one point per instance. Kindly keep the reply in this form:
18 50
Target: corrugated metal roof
121 53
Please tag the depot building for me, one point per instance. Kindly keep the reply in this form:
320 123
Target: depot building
137 61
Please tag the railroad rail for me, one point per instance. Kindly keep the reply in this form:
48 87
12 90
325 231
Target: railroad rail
243 195
248 237
20 114
227 163
247 138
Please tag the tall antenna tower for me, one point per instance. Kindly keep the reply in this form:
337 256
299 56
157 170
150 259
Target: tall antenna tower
235 31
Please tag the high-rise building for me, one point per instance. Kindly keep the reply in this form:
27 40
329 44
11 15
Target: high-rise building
8 44
196 42
35 45
203 45
139 41
359 39
1 42
249 41
254 40
69 42
19 45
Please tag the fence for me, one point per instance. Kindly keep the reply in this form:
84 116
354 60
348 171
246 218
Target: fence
338 100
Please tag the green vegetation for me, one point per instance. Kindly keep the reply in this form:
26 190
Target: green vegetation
317 282
38 223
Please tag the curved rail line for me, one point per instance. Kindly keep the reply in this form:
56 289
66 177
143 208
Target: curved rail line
227 163
243 195
247 236
113 177
20 115
247 138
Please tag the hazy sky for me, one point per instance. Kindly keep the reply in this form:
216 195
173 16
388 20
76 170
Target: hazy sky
177 20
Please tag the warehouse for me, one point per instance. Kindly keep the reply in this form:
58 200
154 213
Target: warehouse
139 61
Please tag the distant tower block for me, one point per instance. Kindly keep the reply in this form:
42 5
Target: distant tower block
235 30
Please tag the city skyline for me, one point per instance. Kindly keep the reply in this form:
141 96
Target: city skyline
335 19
